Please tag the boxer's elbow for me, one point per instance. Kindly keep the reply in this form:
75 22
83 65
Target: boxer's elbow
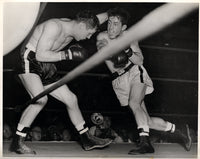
40 57
141 63
138 60
141 60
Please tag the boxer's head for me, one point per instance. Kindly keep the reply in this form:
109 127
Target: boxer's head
87 24
117 22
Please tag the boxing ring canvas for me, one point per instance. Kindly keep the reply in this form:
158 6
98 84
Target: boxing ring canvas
115 150
171 59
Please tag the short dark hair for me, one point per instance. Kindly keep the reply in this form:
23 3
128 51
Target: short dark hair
121 13
89 18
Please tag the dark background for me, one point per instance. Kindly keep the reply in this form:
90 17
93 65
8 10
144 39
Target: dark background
170 57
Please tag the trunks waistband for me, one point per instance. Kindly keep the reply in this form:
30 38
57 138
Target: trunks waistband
122 71
30 47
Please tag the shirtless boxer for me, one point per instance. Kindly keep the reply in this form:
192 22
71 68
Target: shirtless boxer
131 83
38 72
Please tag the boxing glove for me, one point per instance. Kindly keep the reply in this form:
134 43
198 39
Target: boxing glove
101 44
120 60
129 52
75 53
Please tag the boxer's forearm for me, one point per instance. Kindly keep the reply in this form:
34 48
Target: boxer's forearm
137 59
103 17
48 56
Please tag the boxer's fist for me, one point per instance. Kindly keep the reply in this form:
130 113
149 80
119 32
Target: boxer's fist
75 53
129 52
120 60
101 43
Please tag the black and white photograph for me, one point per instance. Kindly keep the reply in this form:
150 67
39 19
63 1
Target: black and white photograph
96 79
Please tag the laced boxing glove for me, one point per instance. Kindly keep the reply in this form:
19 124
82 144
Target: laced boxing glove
121 59
129 52
75 53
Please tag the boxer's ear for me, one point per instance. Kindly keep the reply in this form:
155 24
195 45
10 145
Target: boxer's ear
124 27
82 25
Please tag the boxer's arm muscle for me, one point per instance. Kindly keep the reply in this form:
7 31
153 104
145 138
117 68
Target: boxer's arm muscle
137 56
103 17
44 51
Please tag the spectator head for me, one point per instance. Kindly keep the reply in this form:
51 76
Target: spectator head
53 134
106 123
66 135
97 118
7 132
36 133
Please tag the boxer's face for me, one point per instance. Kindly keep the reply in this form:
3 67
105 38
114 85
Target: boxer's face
84 32
115 27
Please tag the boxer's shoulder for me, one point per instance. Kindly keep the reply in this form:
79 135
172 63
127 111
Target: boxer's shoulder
54 23
103 35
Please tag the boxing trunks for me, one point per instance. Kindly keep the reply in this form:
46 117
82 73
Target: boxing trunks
46 70
123 79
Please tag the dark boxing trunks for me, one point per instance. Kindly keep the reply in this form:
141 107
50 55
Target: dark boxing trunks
46 70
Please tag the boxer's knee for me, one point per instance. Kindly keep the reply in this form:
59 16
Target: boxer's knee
150 123
73 102
37 106
135 104
42 102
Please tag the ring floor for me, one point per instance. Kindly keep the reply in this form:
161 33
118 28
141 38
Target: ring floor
115 150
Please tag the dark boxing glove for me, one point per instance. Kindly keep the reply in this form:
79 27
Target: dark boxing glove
120 60
129 52
75 53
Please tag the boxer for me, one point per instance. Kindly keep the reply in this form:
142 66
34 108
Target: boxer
38 72
131 83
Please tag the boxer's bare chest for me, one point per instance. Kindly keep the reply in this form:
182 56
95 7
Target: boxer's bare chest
61 42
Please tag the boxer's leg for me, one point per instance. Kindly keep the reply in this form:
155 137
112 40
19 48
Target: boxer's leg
137 94
33 85
182 133
157 123
89 142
